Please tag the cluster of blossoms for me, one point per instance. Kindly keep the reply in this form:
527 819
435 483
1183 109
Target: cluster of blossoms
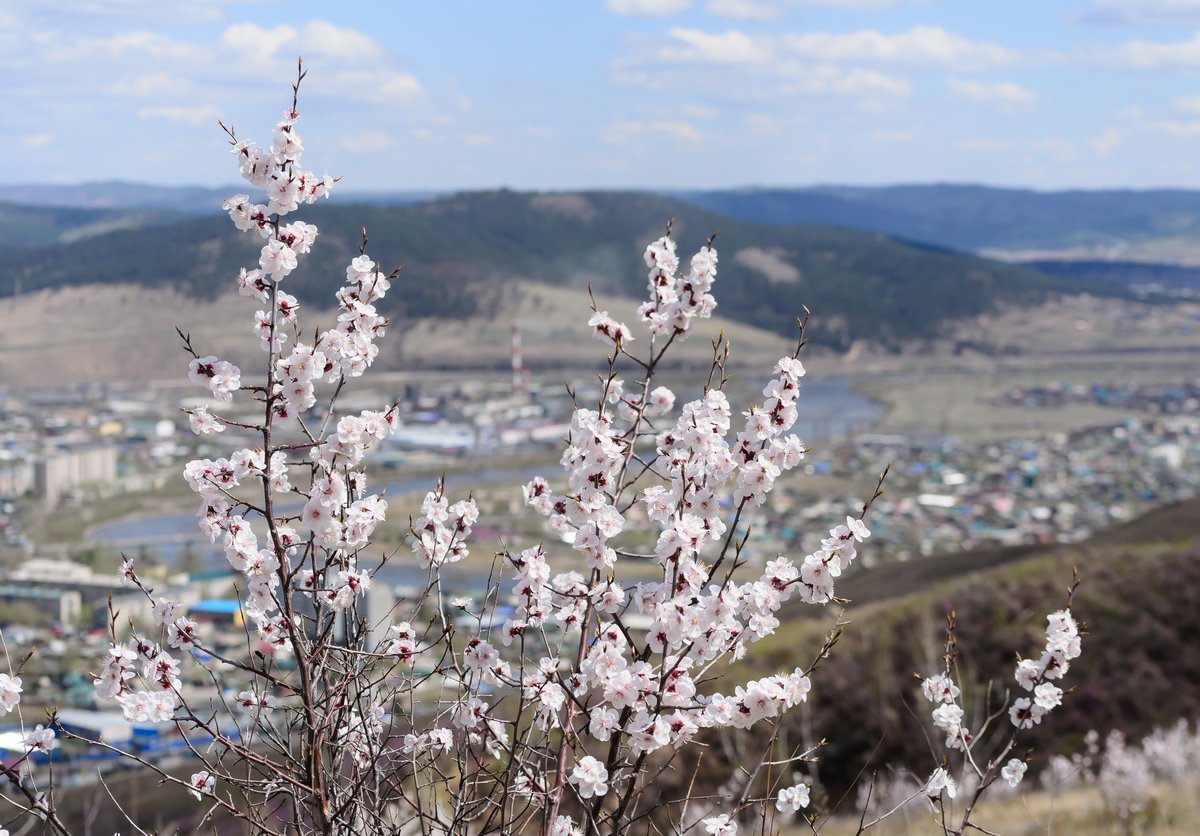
641 696
10 693
1133 778
149 693
220 376
677 299
467 721
440 533
338 516
1062 645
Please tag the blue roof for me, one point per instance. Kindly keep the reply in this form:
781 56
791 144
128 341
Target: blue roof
217 606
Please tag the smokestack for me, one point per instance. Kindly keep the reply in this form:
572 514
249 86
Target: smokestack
518 370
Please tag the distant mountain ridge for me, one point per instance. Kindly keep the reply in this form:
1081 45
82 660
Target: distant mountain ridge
461 250
29 227
972 217
197 200
958 216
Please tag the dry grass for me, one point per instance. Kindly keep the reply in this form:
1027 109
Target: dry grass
124 333
1175 811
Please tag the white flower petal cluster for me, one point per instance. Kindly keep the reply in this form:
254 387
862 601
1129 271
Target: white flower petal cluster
440 533
1063 644
41 739
721 825
648 693
1014 771
791 799
577 655
940 782
677 299
590 778
607 329
201 784
10 693
220 376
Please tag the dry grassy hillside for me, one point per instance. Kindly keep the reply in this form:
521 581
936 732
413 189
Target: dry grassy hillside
125 332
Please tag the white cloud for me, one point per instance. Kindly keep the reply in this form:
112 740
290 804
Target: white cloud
1106 143
1035 150
743 68
374 84
647 8
1188 104
1057 147
1176 128
37 141
621 133
147 85
1006 95
137 45
763 123
317 38
730 47
178 13
1141 12
366 143
321 38
163 71
921 46
1148 55
827 79
252 39
981 144
178 113
765 10
746 9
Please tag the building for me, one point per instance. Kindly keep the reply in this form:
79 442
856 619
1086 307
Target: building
67 604
60 471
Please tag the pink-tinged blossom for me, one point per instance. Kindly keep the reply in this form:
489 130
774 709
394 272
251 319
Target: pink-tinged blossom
563 826
1028 673
590 778
1014 771
182 633
256 701
940 688
252 283
939 782
1047 696
277 259
201 784
222 377
1025 714
607 329
41 739
720 825
662 400
164 611
791 799
203 423
148 706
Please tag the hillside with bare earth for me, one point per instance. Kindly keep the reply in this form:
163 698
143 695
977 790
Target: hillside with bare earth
126 332
461 252
1139 603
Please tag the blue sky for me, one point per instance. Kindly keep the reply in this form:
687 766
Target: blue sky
612 93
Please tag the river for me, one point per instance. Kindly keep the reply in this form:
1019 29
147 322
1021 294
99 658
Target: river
828 408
